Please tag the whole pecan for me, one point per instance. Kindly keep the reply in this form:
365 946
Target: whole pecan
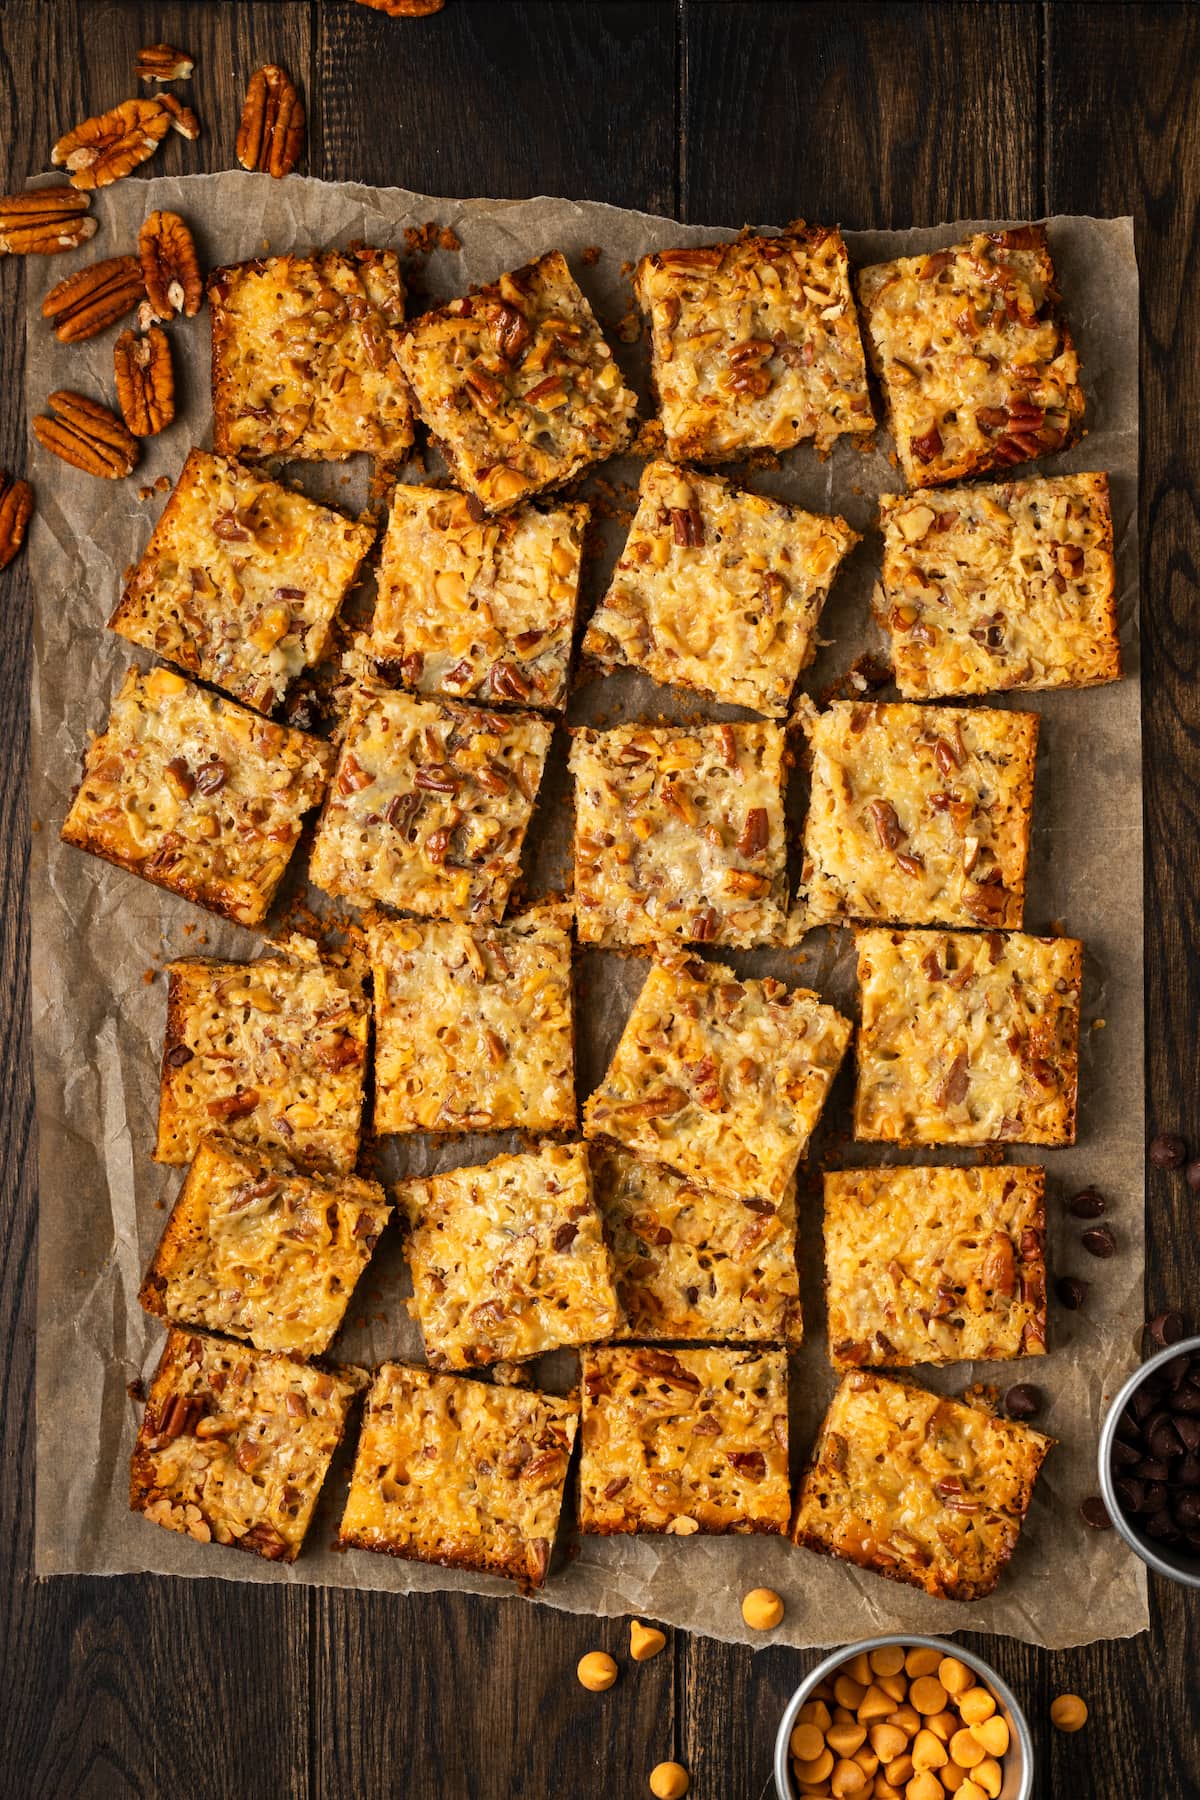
182 118
169 266
16 504
271 134
145 381
86 435
92 299
162 62
105 148
44 221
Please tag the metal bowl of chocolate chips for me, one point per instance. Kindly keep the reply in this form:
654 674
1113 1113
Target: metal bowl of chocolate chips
1150 1457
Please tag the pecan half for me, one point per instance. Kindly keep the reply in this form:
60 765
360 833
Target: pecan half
16 505
183 119
271 134
105 148
170 267
162 62
89 301
87 435
145 381
44 221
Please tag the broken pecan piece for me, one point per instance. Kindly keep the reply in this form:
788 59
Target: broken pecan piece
183 119
169 266
145 381
44 221
105 148
88 436
162 62
271 134
89 301
16 505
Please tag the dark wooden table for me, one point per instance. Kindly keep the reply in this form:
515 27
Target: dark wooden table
721 111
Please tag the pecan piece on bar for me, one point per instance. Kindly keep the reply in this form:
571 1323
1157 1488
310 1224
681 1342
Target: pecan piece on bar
271 134
105 148
44 221
145 381
88 436
169 266
182 118
89 301
16 505
162 62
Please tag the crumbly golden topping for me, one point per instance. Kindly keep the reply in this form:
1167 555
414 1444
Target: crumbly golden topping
919 815
460 1473
679 833
267 1054
922 1489
429 806
305 357
235 1443
967 1038
935 1265
693 1264
196 794
508 1260
718 589
518 385
476 608
473 1025
684 1441
755 344
978 368
241 580
721 1079
258 1250
1004 586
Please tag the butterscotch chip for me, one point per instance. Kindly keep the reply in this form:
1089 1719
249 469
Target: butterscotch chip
935 1265
967 1038
596 1671
269 1054
517 384
304 357
235 1443
718 589
1068 1712
645 1641
460 1473
259 1250
508 1260
754 344
473 1025
988 588
918 816
679 834
196 794
957 1488
978 369
241 580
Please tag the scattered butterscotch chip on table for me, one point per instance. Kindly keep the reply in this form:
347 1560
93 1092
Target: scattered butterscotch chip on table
89 300
762 1609
461 1473
1068 1712
517 384
104 149
45 221
935 1265
474 1024
645 1641
754 344
978 368
269 1054
241 580
669 1781
596 1671
260 1250
718 589
684 1441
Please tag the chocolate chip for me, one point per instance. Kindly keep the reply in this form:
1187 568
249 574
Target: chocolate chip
177 1055
1176 1372
1098 1240
1151 1468
1187 1400
1087 1205
1187 1511
1189 1431
1167 1151
1162 1528
1023 1401
1187 1471
1093 1512
1167 1328
1130 1492
1125 1455
1164 1442
1192 1176
1071 1291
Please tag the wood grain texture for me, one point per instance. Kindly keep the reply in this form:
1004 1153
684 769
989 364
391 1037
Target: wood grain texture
722 110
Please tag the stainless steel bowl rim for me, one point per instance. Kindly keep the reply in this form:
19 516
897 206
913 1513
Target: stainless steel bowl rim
910 1640
1149 1555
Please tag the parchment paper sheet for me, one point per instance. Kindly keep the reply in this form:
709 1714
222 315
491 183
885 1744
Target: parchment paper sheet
98 934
